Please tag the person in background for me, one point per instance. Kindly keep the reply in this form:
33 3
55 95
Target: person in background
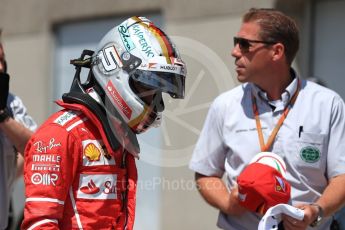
80 170
274 110
16 127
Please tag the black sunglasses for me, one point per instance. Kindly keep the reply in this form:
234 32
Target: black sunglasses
244 43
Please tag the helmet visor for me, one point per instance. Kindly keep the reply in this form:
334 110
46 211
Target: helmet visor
167 82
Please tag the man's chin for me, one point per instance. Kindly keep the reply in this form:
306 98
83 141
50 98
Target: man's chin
242 78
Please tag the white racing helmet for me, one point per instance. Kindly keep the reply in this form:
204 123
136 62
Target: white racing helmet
138 52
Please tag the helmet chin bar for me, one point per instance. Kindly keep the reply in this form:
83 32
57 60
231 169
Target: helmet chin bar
151 116
157 102
154 119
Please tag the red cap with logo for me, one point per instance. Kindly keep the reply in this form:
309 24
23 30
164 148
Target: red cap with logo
261 186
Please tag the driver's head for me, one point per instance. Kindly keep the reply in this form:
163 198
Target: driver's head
134 64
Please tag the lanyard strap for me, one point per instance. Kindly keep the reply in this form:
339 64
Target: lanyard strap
265 147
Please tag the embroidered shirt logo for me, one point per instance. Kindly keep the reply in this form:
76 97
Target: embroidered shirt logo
310 154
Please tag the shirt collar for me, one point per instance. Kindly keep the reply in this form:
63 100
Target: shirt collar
285 97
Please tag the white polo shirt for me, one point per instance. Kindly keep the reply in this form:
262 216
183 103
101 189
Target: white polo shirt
311 141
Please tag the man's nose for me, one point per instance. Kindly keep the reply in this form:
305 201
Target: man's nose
236 52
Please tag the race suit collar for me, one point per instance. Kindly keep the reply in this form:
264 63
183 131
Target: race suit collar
114 137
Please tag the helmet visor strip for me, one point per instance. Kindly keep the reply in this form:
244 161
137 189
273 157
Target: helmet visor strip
167 78
170 83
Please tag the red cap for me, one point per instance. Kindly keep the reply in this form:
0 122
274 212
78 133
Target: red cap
261 187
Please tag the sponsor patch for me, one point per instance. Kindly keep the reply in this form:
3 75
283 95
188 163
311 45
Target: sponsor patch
44 178
46 158
46 162
66 117
152 65
45 167
140 38
168 67
118 100
92 152
126 38
98 187
95 154
43 147
90 188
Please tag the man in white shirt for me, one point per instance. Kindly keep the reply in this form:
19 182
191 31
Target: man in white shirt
273 110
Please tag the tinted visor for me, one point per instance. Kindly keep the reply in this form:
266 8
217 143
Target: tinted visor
171 83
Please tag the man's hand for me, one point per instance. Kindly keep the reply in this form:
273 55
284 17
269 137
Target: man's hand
4 80
235 208
310 214
215 192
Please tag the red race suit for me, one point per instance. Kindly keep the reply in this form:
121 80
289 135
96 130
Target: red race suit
74 179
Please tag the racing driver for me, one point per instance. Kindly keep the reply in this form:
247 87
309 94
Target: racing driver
80 170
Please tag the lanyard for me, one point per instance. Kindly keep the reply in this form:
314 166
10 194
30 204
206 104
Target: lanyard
265 147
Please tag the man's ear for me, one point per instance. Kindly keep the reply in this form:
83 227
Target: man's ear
278 51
